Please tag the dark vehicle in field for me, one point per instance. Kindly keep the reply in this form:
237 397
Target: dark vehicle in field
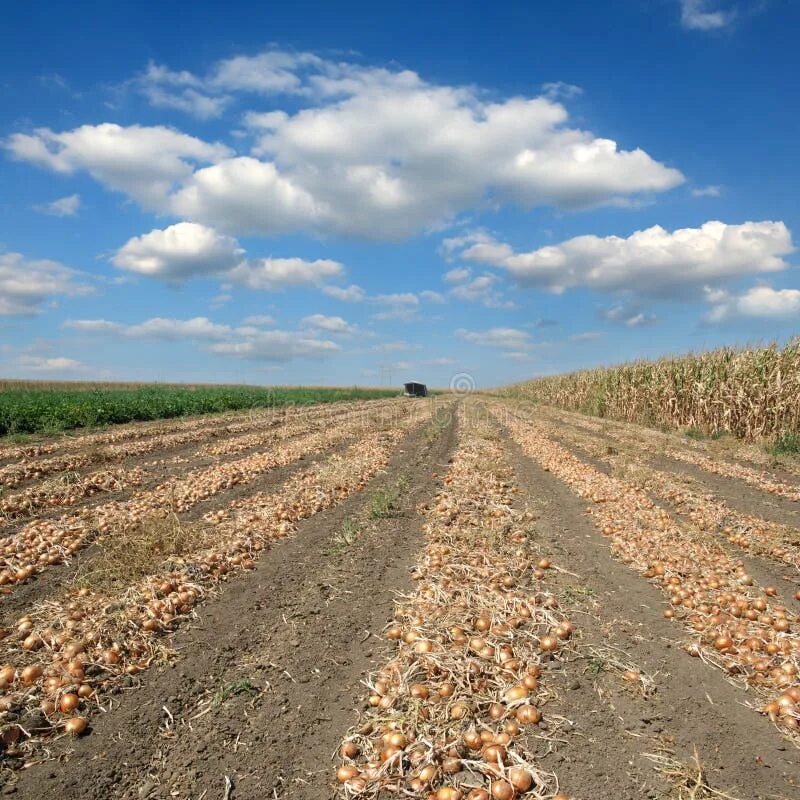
414 389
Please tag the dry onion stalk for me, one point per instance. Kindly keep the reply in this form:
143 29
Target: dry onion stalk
65 655
446 715
752 638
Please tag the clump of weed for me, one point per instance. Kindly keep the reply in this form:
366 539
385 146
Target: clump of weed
234 688
129 554
348 532
785 443
386 502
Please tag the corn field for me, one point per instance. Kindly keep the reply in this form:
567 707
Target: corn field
753 394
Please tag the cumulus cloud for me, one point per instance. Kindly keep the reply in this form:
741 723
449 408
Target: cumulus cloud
651 262
432 297
56 364
348 294
481 288
259 320
63 207
188 249
400 305
26 284
163 328
281 273
248 341
629 315
375 153
760 302
400 346
701 15
333 325
501 338
278 346
143 162
707 191
181 251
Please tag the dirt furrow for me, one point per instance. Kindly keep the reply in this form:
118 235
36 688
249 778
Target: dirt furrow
265 680
613 725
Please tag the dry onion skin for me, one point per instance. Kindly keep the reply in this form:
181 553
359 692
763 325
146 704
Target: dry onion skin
44 543
84 645
445 717
691 499
691 452
105 447
735 627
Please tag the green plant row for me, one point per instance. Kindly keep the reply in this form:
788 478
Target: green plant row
31 410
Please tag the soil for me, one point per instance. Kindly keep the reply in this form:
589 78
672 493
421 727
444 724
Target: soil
611 726
266 680
765 571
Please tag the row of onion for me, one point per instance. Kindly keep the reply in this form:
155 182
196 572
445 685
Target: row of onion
449 717
735 627
45 543
691 499
65 656
67 491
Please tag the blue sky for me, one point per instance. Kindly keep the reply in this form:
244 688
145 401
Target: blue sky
310 193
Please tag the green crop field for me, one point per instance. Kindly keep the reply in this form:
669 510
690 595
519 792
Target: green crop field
31 408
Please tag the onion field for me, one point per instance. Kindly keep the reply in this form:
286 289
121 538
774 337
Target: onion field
461 597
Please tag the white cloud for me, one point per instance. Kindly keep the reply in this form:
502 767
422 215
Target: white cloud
480 289
349 294
26 284
176 329
179 252
189 100
188 249
333 325
457 274
432 297
94 325
400 305
395 347
501 338
699 15
281 273
707 191
245 195
259 320
50 365
652 261
271 72
143 162
558 89
63 207
630 315
760 302
278 346
167 329
377 153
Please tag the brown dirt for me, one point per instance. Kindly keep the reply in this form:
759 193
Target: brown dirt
738 494
610 726
765 571
277 660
